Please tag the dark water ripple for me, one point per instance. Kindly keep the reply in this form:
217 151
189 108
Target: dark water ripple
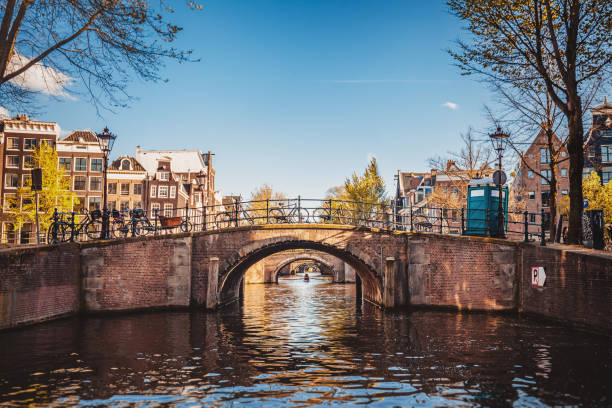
303 344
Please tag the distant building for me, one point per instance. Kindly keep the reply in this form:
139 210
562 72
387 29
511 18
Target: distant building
598 143
126 183
80 154
19 137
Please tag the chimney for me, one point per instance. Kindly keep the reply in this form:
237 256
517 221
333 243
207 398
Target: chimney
138 150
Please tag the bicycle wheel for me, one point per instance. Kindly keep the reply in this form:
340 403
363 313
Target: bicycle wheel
142 228
93 229
422 223
223 220
321 216
119 229
57 233
277 216
186 226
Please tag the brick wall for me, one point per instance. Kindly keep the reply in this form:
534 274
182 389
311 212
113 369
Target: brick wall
467 273
38 284
136 274
577 290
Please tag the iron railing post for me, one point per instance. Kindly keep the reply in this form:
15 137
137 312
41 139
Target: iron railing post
54 230
542 230
331 213
156 215
526 226
462 221
267 210
204 218
236 212
72 226
441 217
411 223
300 209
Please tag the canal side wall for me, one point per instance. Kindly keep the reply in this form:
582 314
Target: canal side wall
464 273
38 284
577 290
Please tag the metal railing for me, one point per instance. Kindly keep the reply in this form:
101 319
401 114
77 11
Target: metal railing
72 226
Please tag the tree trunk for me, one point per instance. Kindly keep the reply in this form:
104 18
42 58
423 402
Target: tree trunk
552 197
576 159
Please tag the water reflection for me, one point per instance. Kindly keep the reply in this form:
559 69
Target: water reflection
303 344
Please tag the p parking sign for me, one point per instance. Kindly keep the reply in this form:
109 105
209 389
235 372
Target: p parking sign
538 276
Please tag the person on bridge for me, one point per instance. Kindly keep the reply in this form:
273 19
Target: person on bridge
306 277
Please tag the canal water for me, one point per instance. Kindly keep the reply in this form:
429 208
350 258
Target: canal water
303 344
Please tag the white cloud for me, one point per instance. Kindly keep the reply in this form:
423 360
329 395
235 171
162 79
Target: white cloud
39 78
451 105
4 113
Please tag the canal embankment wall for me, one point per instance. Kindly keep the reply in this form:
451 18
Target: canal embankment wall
464 273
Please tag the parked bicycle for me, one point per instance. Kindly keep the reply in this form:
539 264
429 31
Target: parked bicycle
64 230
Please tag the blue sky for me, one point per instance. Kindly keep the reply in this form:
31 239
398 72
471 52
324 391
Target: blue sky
299 94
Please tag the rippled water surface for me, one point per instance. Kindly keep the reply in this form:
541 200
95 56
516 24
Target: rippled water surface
303 344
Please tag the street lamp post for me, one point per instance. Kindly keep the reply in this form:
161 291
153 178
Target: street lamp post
106 140
498 139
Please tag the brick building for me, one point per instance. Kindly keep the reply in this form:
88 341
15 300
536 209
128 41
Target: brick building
126 182
80 154
598 142
530 192
19 137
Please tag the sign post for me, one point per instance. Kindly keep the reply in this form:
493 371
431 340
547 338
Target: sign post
36 187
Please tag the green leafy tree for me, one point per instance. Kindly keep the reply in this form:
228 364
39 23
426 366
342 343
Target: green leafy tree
262 200
599 197
564 45
55 192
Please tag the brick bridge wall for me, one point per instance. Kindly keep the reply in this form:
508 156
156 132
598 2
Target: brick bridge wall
205 269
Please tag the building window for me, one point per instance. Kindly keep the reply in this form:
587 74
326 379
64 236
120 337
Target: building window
564 192
532 217
11 181
545 176
606 153
586 172
96 164
154 209
26 234
172 191
112 205
80 183
125 188
544 156
530 174
12 162
563 172
563 154
95 183
137 204
165 176
112 188
28 162
78 205
197 197
7 204
153 191
80 164
606 174
29 144
124 205
27 180
65 162
138 189
531 195
163 192
95 203
168 210
12 143
9 233
545 196
125 164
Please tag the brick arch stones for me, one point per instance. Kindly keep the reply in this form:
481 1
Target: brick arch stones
301 257
221 258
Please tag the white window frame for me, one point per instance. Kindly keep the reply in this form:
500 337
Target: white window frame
153 191
121 189
172 191
91 160
89 199
155 206
164 189
24 162
168 210
563 172
7 161
4 201
94 177
24 143
134 189
74 162
24 177
74 182
12 148
60 165
6 179
164 175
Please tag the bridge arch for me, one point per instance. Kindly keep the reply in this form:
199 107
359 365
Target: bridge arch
301 257
232 273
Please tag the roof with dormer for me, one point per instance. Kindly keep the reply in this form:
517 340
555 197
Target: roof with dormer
181 161
81 136
134 164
